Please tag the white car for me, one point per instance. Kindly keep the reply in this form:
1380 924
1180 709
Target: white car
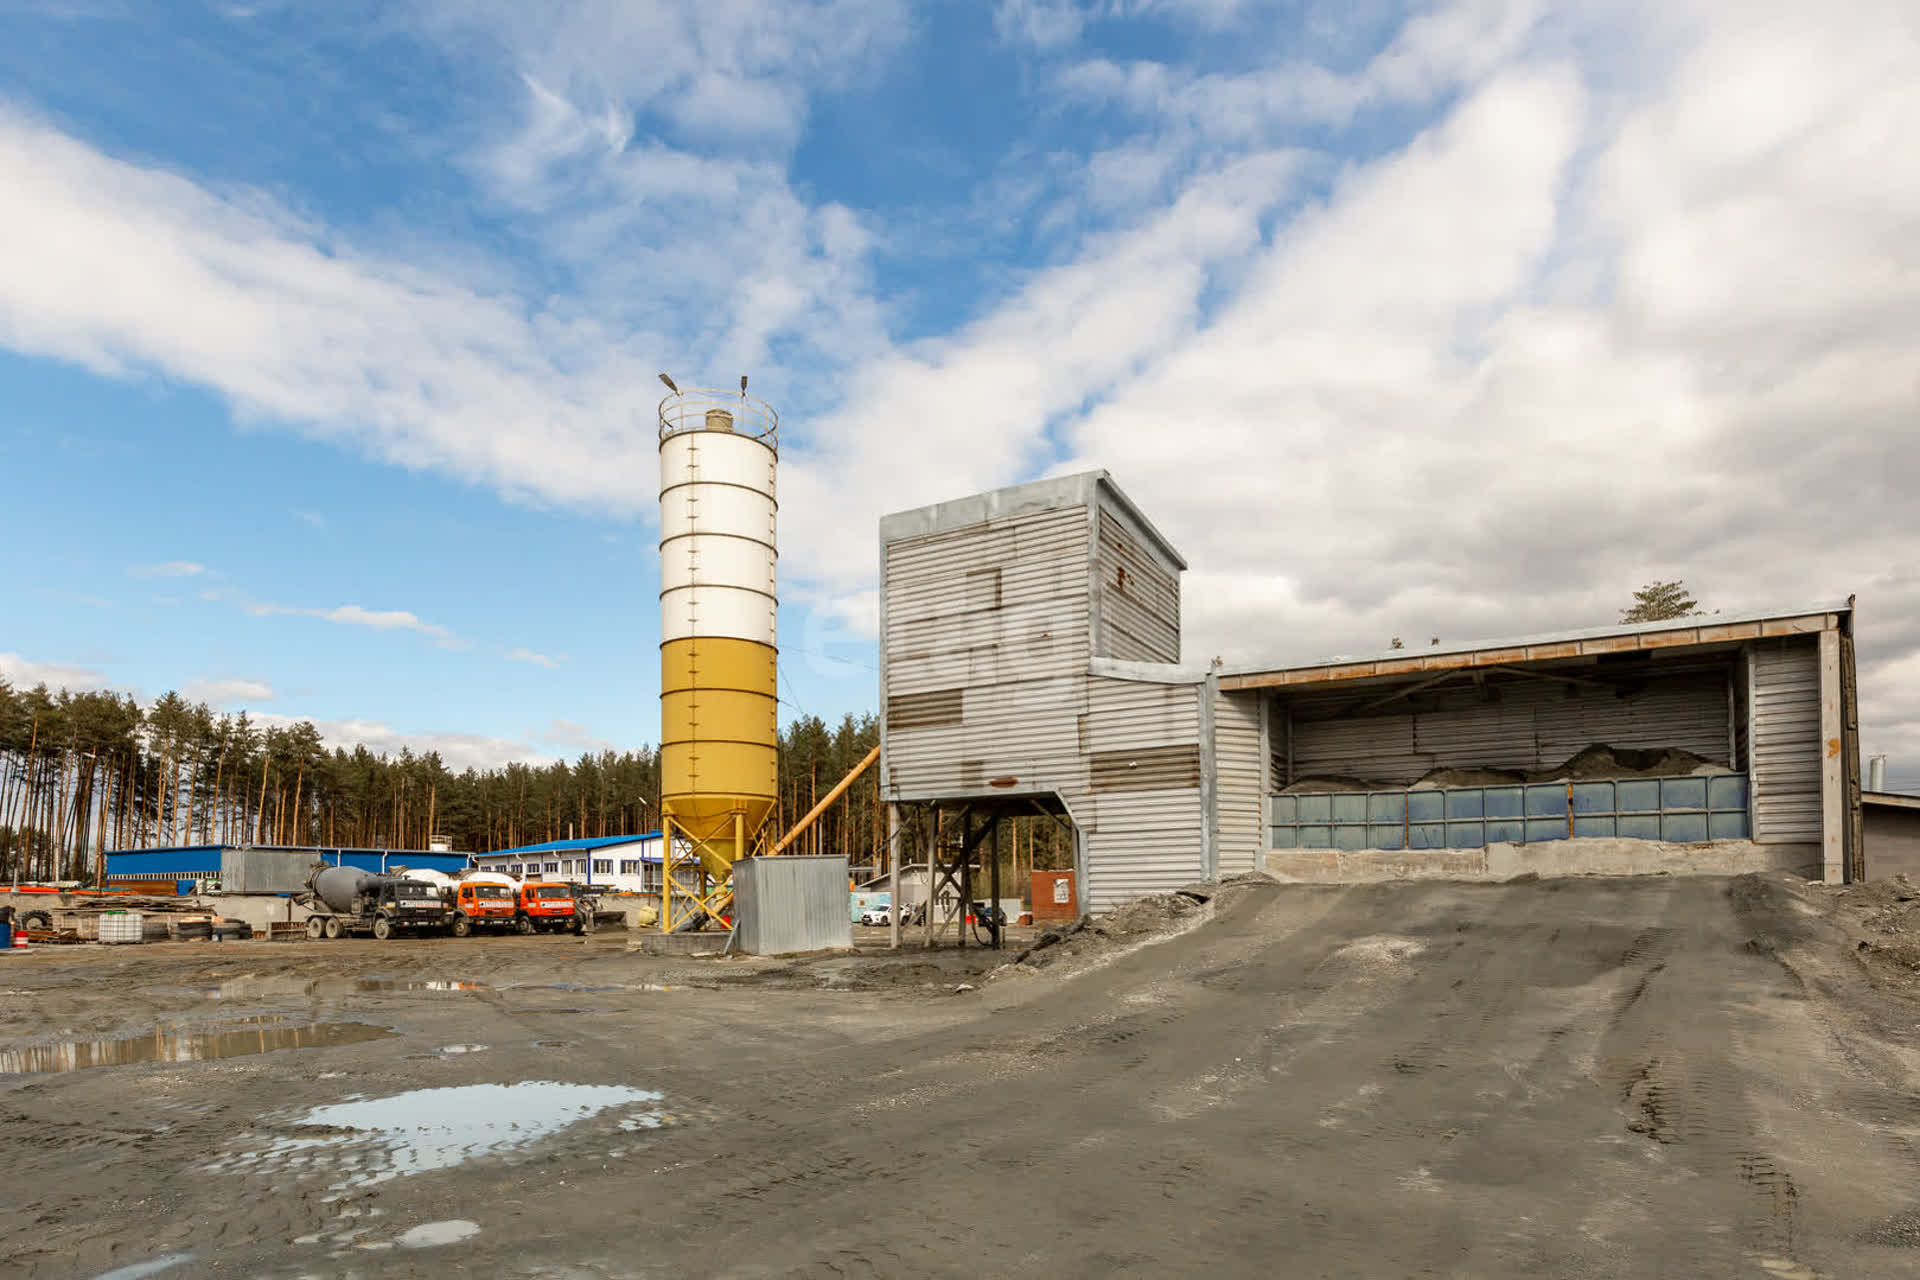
876 917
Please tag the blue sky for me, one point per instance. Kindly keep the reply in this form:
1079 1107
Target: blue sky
328 334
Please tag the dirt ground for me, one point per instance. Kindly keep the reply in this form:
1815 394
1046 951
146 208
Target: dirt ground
1687 1077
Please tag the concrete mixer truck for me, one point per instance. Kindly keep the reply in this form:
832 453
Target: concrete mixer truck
348 900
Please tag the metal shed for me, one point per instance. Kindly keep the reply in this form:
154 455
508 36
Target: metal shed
996 612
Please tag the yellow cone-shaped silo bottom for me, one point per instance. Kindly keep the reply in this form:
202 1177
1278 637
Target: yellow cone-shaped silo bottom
719 735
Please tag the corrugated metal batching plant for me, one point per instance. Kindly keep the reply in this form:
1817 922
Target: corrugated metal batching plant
719 663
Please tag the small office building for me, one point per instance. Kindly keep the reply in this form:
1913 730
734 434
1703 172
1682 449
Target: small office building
615 864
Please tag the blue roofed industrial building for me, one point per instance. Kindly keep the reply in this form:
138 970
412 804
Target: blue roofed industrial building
260 868
620 864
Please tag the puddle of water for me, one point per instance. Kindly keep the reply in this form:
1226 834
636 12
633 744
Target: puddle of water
269 987
373 1140
590 988
151 1267
183 1046
455 1050
431 1235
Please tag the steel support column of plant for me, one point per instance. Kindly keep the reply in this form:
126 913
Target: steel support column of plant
709 896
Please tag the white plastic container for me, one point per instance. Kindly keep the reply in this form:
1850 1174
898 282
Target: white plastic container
123 926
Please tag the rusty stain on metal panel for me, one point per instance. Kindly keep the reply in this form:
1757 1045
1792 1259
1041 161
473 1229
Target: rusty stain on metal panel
1610 644
1732 631
1493 657
928 710
1149 769
1796 626
1542 651
1669 639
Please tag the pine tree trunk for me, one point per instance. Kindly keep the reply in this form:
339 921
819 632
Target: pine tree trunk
26 811
173 827
213 818
294 835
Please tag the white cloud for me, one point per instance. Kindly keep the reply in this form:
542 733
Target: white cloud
23 673
458 751
1051 24
1636 301
169 569
353 615
690 261
1045 24
969 412
1588 329
570 733
1432 54
228 692
535 659
725 69
232 294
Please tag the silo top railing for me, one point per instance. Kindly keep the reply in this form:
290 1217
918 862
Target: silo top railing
705 409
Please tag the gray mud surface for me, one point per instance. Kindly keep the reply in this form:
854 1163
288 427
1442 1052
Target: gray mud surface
1706 1077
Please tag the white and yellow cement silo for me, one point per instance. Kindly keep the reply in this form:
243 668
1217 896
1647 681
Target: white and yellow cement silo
719 661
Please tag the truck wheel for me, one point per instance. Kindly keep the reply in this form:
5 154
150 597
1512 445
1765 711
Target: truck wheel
382 928
334 927
316 927
526 926
37 920
462 927
583 926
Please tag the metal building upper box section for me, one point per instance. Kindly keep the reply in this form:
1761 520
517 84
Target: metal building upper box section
993 607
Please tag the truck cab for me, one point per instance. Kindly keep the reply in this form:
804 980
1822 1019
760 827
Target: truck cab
548 907
483 905
403 906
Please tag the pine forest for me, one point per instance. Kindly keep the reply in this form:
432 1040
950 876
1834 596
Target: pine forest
83 773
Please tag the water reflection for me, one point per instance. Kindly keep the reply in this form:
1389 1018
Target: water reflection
269 986
183 1046
373 1140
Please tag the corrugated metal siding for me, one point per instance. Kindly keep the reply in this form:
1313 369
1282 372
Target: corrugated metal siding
1138 597
1893 842
1742 714
1124 715
1786 742
1141 842
1147 840
931 709
1529 726
1240 780
997 613
1145 769
265 870
791 904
